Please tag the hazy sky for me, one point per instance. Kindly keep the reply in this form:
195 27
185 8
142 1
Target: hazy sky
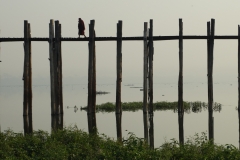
133 13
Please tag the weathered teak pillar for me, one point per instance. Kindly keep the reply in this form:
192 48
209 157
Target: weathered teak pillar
51 60
94 83
145 82
239 84
30 73
91 84
180 85
210 45
27 73
55 58
150 93
0 45
58 69
118 110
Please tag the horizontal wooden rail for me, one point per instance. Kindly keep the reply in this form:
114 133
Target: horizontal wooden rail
155 38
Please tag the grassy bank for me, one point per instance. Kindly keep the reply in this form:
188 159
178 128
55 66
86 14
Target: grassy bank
196 106
72 143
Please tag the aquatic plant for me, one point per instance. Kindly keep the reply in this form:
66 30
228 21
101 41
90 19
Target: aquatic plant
189 107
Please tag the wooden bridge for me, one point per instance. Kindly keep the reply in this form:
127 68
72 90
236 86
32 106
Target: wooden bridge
55 58
155 38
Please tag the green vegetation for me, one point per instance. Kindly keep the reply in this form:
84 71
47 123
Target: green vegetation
71 143
196 106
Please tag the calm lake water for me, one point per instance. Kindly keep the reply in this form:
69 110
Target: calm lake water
165 122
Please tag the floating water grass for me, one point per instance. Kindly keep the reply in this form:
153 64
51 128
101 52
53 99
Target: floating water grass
101 92
195 107
72 143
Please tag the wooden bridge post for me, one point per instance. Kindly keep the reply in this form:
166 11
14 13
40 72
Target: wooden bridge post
94 83
145 82
180 85
118 110
91 106
27 118
58 69
0 46
51 60
239 85
27 75
56 66
25 68
210 44
30 75
150 93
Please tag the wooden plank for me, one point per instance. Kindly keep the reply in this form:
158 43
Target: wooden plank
56 67
51 60
239 84
118 110
150 93
145 82
30 73
26 69
180 85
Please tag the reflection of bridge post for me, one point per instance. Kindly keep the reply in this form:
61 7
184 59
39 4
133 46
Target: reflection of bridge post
57 122
27 124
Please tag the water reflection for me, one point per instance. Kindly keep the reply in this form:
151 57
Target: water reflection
102 92
197 107
27 124
57 122
75 108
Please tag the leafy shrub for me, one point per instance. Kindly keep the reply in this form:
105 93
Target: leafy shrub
72 143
